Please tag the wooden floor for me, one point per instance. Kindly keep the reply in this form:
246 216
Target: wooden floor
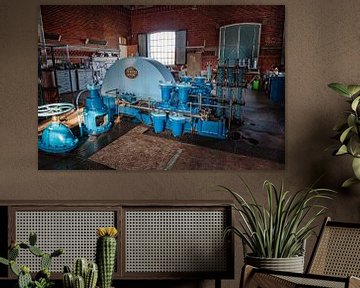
258 144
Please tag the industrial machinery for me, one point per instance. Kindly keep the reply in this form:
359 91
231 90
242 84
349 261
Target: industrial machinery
145 90
56 137
230 81
96 113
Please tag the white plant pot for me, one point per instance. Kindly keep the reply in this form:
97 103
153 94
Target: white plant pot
291 264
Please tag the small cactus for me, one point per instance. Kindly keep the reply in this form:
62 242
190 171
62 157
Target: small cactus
91 276
68 280
106 254
42 278
24 280
80 267
79 282
89 272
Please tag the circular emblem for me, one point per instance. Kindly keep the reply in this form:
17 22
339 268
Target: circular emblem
131 72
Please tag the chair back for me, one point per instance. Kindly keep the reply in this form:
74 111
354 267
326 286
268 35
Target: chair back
337 251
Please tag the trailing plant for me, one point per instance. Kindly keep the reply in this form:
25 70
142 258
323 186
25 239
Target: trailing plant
349 131
84 275
279 229
42 278
106 254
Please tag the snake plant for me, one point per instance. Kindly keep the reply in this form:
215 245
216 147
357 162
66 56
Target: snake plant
280 228
349 132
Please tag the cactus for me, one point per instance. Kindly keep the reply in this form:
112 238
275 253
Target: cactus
67 269
80 268
13 253
45 261
79 282
91 276
36 251
24 280
84 274
106 254
43 274
32 239
68 280
42 278
14 268
57 252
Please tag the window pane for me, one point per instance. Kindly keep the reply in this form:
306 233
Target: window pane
162 47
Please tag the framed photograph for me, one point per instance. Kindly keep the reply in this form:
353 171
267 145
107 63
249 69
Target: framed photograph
161 87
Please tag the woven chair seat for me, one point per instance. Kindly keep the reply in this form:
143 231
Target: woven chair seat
335 262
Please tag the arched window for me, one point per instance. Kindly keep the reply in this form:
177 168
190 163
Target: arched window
239 41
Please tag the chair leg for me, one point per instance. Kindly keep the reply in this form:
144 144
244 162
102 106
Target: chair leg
246 273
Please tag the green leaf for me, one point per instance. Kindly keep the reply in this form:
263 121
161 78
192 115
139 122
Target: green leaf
353 89
349 182
355 103
345 134
351 120
356 167
342 150
354 146
340 88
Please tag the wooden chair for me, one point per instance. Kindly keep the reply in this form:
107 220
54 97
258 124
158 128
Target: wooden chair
334 263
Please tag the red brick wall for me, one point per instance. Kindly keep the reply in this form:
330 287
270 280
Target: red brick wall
75 23
204 22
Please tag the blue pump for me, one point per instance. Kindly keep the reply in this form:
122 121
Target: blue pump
166 89
96 113
177 123
159 121
183 96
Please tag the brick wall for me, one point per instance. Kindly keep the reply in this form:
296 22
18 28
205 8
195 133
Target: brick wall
75 23
203 23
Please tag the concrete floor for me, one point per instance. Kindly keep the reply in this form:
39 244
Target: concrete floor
257 144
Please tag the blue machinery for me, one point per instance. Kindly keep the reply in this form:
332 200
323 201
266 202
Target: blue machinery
56 137
144 89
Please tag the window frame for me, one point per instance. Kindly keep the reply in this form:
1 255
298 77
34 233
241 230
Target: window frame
221 45
149 46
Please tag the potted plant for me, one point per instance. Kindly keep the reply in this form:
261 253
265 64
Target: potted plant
276 233
349 132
